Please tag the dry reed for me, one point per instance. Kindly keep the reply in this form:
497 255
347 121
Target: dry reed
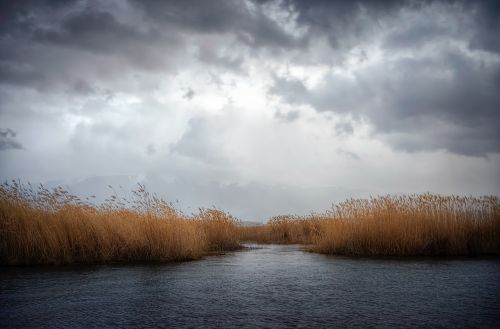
42 226
283 230
412 225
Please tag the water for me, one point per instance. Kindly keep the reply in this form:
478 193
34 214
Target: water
270 287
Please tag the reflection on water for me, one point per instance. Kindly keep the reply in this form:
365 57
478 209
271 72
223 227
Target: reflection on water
271 286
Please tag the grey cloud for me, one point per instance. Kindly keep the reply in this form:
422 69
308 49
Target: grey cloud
251 26
40 40
467 141
344 23
347 24
334 94
208 55
7 140
189 94
444 99
150 149
448 101
90 29
344 128
416 35
348 154
466 104
487 21
293 89
200 143
21 74
478 25
99 31
17 17
289 116
95 82
83 87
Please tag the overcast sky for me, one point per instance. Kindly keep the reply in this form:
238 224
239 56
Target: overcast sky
257 107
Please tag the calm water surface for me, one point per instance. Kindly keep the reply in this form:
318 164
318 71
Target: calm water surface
268 287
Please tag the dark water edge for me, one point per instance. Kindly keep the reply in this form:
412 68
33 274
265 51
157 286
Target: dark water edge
267 287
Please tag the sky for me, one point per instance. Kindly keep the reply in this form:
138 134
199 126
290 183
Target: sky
256 107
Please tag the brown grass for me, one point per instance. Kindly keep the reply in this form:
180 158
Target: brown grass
283 230
414 225
41 226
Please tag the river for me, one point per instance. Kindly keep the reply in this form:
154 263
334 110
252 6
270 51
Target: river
266 286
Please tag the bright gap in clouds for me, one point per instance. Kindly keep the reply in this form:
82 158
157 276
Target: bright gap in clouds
259 108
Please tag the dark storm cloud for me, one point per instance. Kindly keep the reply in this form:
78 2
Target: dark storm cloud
209 56
18 16
99 32
40 39
344 23
14 74
334 94
443 98
487 21
7 140
93 30
416 35
83 87
451 102
250 25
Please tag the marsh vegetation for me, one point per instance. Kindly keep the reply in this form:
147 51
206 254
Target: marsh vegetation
42 226
408 225
51 226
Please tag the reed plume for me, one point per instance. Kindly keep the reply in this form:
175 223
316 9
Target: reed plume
409 225
42 226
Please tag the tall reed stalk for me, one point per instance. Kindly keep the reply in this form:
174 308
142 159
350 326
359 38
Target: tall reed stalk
411 225
42 226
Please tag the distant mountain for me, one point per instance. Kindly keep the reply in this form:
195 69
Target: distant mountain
252 203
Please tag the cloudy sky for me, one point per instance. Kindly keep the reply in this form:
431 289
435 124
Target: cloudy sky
258 107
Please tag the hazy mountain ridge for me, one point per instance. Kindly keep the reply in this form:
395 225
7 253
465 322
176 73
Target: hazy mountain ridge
251 203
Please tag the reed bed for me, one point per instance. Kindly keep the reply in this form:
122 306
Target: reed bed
411 225
51 226
283 230
42 226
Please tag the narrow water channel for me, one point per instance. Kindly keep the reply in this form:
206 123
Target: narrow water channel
267 286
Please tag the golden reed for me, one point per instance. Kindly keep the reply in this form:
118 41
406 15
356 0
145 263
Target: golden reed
411 225
42 226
